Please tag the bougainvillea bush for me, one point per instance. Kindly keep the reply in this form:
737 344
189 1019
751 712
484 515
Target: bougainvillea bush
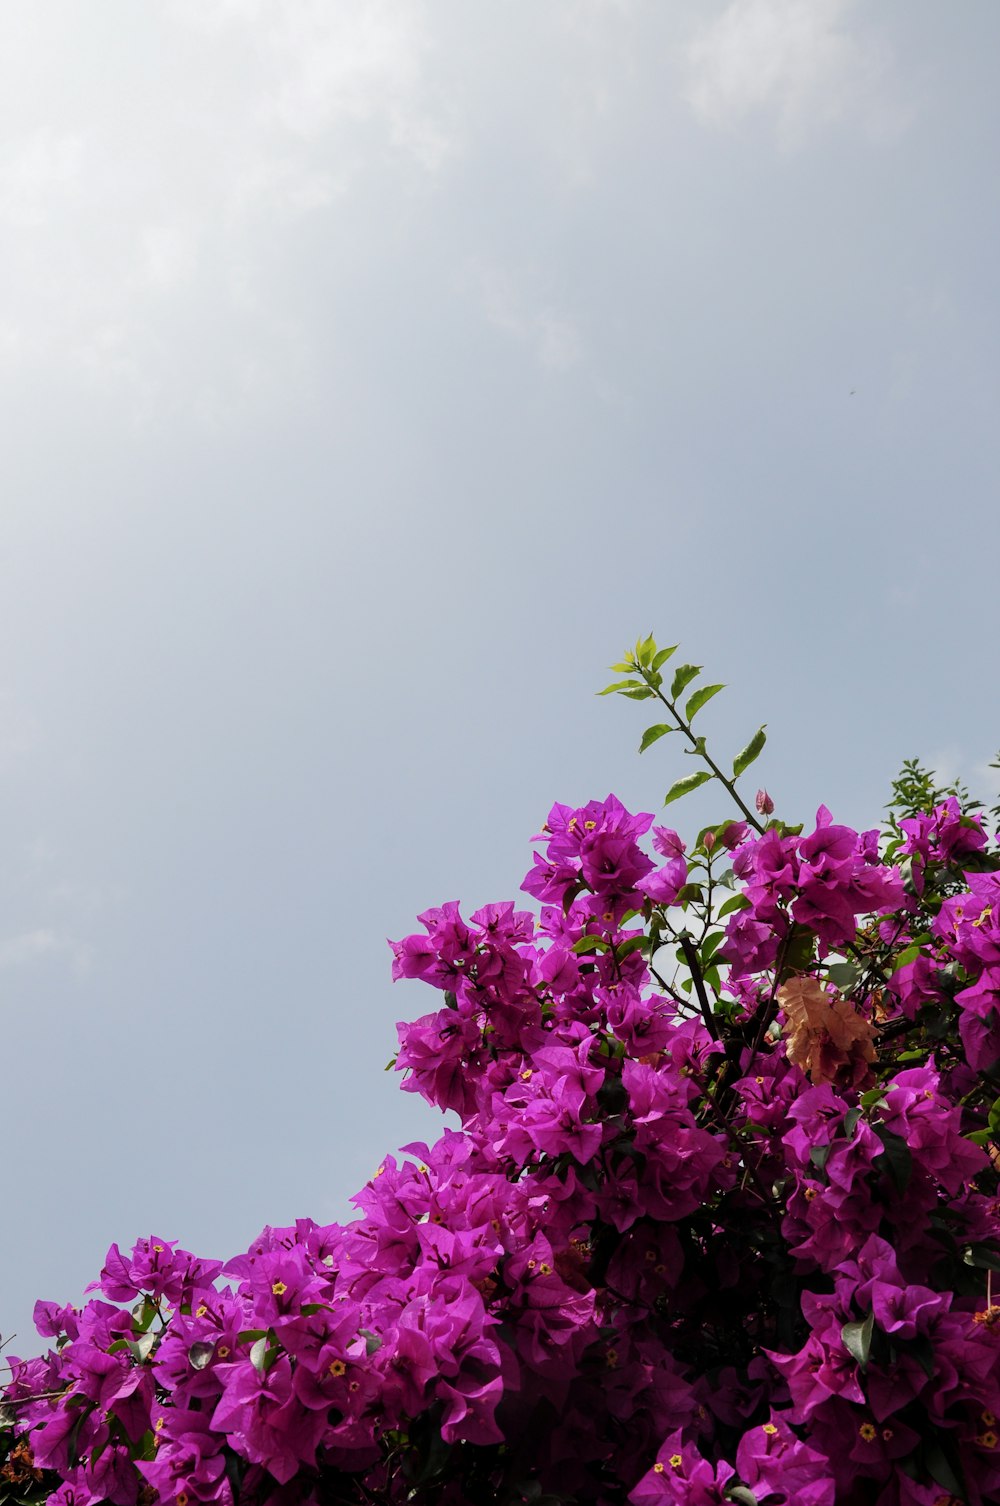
717 1221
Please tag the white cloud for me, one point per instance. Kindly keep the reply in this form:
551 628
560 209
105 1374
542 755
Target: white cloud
551 335
798 60
36 173
15 951
138 215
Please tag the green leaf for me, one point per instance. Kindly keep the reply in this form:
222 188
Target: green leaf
897 1156
653 734
686 785
663 656
942 1470
873 1097
799 950
634 944
682 678
857 1339
843 975
141 1346
646 651
73 1440
389 1064
626 667
689 893
738 902
622 685
851 1122
200 1354
145 1449
908 955
699 699
710 946
642 694
258 1354
982 1258
143 1314
909 870
752 750
742 1494
247 1335
922 1350
590 944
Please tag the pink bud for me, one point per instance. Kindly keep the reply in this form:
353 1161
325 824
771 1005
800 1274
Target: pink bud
765 805
708 841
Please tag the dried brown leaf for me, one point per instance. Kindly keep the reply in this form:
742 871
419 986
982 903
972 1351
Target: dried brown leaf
825 1035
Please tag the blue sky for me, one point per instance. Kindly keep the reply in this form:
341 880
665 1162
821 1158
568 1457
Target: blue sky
371 377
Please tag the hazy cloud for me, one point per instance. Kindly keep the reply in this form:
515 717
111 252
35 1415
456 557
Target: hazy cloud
15 951
801 61
130 227
547 332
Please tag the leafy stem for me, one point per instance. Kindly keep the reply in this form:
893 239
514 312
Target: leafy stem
652 679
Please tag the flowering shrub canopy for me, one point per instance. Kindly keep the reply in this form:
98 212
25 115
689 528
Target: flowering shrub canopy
717 1221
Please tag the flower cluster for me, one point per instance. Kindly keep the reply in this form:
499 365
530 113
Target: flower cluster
690 1242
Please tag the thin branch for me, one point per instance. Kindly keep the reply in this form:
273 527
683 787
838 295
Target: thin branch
694 967
700 750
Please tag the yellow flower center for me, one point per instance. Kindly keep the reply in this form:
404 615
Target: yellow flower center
657 1468
676 1461
987 1440
201 1311
337 1367
770 1428
545 1269
867 1431
222 1351
279 1288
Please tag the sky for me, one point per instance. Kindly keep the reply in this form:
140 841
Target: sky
370 378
